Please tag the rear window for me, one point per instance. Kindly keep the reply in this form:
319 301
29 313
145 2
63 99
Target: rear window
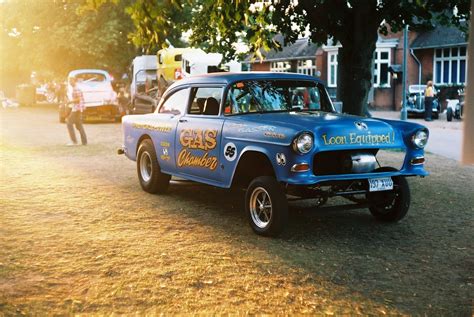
90 77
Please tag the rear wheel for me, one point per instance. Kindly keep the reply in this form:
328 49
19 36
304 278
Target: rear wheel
150 176
449 114
393 205
266 206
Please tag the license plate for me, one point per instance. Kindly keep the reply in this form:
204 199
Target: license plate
380 184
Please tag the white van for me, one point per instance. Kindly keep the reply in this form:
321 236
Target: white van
197 63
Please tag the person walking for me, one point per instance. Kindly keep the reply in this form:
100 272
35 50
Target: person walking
429 96
75 116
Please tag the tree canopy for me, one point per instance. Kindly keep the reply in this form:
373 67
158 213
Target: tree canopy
53 37
218 24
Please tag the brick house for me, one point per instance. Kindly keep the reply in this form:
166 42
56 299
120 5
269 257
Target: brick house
439 55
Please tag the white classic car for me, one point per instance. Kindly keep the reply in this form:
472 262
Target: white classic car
100 98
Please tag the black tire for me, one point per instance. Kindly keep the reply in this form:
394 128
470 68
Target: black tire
267 220
449 114
149 173
390 206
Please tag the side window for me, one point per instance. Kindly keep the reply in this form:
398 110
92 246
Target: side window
205 101
176 103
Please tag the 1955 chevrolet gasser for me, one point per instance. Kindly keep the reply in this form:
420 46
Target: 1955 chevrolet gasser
275 135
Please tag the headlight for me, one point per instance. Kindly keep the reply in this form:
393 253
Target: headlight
303 143
420 138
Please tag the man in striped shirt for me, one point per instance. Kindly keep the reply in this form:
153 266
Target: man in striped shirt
75 117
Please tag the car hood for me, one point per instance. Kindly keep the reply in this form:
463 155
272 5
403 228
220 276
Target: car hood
330 130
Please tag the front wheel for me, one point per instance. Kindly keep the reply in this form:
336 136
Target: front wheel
151 178
266 206
393 205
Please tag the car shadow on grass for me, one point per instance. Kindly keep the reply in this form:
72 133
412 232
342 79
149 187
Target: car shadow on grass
306 220
386 263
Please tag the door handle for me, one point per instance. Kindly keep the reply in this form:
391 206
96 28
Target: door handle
182 120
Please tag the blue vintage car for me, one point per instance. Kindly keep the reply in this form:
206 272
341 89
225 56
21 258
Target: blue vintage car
277 135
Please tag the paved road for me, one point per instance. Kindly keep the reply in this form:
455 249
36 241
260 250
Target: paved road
445 142
445 137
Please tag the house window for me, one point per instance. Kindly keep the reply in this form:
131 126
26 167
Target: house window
332 69
381 64
280 67
306 66
450 65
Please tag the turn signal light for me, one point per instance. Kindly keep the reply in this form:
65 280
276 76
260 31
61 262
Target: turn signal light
417 160
301 167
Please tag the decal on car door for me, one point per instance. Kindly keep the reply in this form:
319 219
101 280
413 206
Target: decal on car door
197 139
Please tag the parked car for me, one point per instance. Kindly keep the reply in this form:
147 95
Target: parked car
99 97
273 134
416 102
45 93
455 107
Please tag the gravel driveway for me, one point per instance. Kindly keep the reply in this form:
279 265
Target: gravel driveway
78 235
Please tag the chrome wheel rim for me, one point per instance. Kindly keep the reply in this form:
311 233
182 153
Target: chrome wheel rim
145 166
261 207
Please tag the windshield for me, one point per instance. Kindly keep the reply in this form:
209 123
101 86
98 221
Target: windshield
276 95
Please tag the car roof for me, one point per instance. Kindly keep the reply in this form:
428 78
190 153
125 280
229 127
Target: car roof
88 71
227 78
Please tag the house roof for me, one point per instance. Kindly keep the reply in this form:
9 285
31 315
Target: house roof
300 49
441 36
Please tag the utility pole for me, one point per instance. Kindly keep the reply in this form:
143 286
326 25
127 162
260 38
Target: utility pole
403 114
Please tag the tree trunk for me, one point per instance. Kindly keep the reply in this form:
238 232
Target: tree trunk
355 60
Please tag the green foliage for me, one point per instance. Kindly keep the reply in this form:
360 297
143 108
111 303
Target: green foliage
217 24
155 22
53 37
259 22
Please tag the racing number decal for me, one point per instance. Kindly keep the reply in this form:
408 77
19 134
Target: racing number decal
230 151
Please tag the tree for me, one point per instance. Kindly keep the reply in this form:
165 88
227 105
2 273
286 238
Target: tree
354 23
157 23
53 37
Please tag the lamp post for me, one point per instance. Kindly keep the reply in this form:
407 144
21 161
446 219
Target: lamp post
403 113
